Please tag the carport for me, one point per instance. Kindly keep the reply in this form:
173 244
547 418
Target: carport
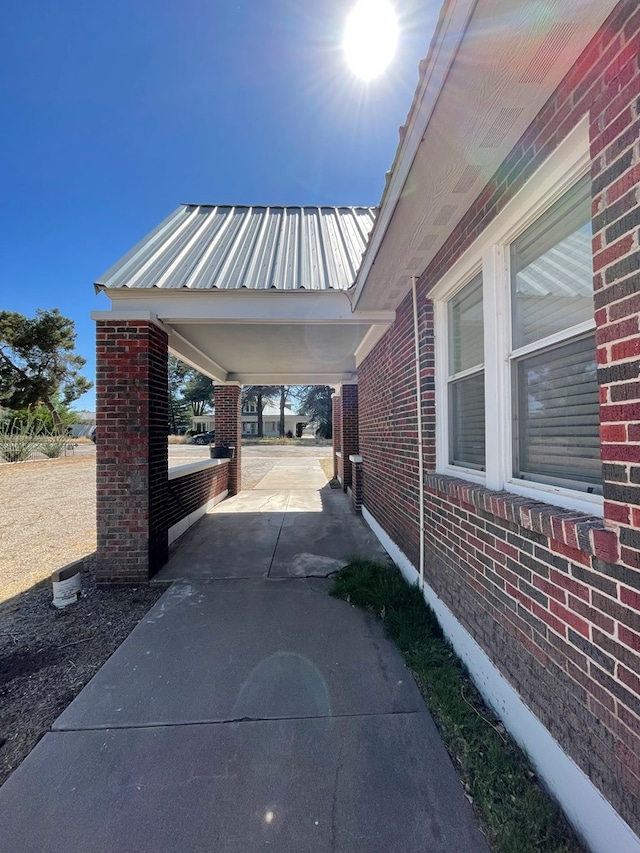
246 295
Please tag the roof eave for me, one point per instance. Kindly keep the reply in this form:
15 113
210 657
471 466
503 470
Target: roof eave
447 38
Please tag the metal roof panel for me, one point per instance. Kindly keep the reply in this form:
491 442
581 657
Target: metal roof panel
203 247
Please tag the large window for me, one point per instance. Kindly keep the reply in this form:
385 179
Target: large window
555 401
466 377
517 393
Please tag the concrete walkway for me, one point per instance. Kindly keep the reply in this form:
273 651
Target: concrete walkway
248 710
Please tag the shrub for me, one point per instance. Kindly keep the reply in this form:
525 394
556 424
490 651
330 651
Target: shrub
20 439
53 444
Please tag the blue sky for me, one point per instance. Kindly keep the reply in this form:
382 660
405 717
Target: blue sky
115 113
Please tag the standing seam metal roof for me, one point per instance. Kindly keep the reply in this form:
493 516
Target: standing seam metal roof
203 247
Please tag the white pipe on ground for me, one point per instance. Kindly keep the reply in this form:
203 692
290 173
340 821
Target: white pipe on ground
416 337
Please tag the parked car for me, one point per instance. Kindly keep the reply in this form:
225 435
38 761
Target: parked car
205 437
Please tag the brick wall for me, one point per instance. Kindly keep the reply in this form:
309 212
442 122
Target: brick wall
189 492
131 450
229 429
348 430
336 408
552 596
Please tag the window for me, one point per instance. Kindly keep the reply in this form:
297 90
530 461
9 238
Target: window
466 377
517 397
555 400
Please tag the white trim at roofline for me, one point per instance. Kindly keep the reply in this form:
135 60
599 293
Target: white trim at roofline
375 334
593 818
446 41
138 314
242 306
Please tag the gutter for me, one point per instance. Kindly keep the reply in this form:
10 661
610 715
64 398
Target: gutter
448 36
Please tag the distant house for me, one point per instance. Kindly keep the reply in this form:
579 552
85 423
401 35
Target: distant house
270 421
85 425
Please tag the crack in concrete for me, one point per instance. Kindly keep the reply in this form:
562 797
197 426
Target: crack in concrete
245 719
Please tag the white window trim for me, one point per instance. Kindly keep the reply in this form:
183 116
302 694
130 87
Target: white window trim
490 255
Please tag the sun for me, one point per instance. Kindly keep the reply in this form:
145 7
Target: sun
370 38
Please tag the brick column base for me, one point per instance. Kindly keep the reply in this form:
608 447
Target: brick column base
229 430
356 482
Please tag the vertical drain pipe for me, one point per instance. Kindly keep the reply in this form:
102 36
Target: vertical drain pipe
419 411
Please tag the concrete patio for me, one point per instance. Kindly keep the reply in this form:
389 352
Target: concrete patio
248 710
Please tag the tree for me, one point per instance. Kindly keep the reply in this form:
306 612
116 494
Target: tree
260 394
190 393
315 402
283 401
38 364
198 392
178 410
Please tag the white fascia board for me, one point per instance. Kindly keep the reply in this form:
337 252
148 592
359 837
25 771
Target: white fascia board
450 31
293 378
137 314
369 341
245 306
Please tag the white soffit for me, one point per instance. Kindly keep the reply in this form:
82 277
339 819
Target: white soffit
512 56
269 354
256 337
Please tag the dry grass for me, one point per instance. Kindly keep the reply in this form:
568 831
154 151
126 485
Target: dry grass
48 519
327 466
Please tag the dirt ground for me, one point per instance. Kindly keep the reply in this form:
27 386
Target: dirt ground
48 655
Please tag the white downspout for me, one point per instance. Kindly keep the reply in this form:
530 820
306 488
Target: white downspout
419 411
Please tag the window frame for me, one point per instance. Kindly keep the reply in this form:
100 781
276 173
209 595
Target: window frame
490 255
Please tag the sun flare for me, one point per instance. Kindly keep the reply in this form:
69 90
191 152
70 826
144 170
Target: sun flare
370 38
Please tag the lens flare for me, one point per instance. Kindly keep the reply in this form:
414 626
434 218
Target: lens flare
370 38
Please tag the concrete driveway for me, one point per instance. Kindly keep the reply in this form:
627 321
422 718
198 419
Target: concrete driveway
248 710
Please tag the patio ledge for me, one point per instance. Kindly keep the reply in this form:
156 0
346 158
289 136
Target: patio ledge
194 467
355 457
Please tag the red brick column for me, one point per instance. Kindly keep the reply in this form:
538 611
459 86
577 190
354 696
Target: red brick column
349 430
615 155
131 450
336 418
355 461
229 429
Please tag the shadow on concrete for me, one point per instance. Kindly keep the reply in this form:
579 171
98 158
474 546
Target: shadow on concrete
263 533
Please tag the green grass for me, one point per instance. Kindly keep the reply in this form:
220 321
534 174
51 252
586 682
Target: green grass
517 815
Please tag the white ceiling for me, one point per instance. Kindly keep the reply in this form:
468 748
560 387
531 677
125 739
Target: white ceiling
253 337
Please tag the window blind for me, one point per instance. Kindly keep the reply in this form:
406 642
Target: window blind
557 417
466 418
466 330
